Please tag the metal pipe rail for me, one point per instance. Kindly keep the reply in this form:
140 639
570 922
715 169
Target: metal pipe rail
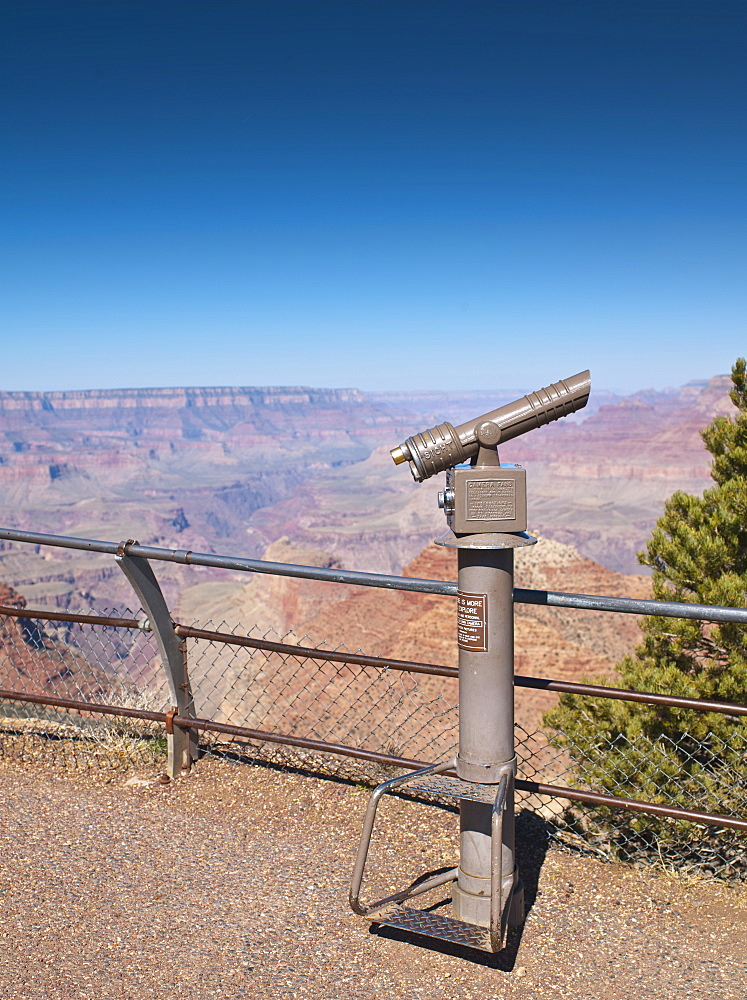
438 670
343 750
67 616
548 598
384 663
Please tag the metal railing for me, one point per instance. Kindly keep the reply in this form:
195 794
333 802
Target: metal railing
549 598
295 700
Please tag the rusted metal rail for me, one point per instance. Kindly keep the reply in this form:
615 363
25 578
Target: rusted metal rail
309 653
624 694
373 756
92 708
438 670
66 616
385 663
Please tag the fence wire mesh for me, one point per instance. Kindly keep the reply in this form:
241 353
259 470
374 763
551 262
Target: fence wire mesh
645 772
389 711
371 708
79 662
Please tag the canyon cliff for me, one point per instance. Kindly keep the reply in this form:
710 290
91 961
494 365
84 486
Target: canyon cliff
238 470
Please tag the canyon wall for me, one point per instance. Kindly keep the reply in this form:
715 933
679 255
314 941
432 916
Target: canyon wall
305 476
235 470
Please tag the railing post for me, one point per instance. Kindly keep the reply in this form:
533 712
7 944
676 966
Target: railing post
182 744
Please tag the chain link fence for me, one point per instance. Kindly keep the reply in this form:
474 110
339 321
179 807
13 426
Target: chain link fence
679 846
365 707
77 661
395 712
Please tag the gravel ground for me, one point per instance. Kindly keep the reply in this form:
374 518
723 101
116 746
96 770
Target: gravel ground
232 882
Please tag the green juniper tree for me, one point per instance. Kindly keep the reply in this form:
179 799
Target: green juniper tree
698 554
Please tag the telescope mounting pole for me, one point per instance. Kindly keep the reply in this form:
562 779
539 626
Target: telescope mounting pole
490 497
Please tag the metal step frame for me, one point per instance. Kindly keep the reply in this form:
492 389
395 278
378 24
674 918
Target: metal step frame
389 911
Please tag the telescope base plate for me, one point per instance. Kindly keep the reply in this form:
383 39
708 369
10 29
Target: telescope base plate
486 540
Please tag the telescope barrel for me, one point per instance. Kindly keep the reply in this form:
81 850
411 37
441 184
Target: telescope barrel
444 446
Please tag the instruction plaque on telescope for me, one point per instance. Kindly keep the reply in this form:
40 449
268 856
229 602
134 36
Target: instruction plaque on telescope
472 622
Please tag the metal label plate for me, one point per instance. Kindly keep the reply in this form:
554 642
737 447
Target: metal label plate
491 500
472 622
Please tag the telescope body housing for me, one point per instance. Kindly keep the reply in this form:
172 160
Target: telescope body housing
444 446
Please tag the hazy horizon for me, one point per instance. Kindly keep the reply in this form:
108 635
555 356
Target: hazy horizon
425 390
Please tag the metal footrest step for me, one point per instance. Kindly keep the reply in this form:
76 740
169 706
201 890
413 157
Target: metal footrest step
442 784
389 911
435 925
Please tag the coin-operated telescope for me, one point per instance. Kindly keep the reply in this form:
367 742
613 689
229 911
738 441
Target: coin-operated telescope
476 500
486 510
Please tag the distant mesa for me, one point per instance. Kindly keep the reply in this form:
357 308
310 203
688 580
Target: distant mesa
234 469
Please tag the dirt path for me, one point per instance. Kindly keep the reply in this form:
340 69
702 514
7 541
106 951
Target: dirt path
232 883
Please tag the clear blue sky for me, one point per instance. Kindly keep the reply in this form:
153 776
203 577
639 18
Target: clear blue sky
372 193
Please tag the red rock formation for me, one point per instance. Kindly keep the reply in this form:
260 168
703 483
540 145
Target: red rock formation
549 642
32 662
